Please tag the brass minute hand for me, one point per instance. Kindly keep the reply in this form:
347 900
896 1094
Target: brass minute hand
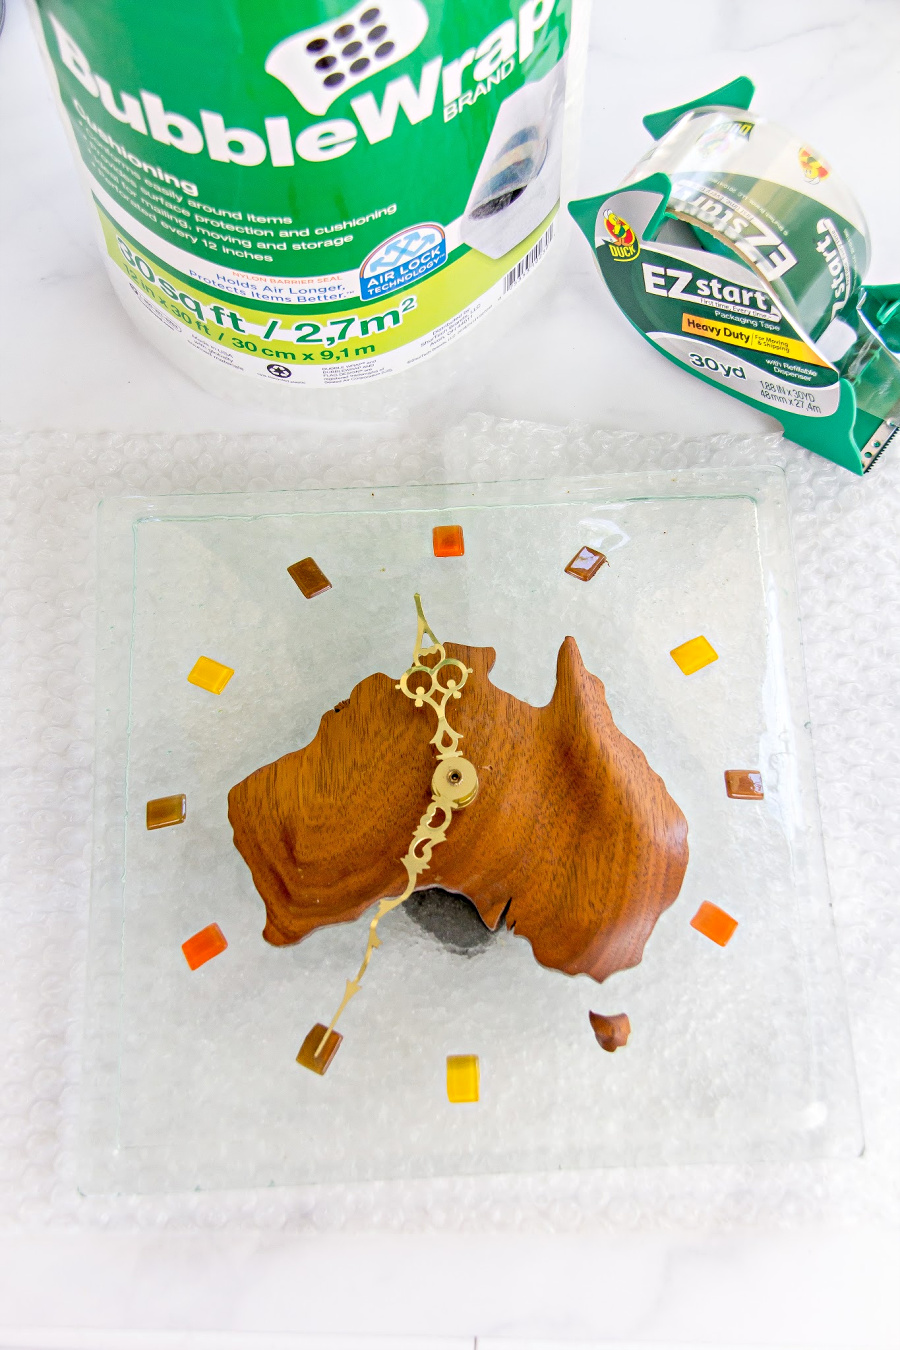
454 783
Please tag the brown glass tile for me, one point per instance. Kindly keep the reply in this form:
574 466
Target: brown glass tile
586 563
744 783
308 1057
309 577
166 811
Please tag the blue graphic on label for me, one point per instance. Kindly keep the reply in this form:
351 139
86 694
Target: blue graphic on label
404 258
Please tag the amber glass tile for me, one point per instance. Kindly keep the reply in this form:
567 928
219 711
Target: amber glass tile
586 563
694 655
462 1078
308 1057
309 577
166 811
209 674
714 923
744 783
447 541
203 946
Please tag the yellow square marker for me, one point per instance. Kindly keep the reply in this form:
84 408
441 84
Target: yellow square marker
694 655
211 675
462 1078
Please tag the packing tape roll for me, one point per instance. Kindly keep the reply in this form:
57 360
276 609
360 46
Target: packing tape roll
749 189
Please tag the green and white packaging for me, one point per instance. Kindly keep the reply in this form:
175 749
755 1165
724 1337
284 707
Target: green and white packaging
314 194
737 252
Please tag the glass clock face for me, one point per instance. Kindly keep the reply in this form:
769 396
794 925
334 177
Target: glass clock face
192 1072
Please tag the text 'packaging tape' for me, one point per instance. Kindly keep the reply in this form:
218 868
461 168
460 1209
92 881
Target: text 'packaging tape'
740 255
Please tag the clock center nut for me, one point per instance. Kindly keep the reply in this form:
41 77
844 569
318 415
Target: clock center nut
455 780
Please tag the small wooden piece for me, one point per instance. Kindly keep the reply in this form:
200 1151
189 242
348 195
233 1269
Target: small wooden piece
744 784
586 563
309 577
573 839
307 1055
714 923
162 811
611 1032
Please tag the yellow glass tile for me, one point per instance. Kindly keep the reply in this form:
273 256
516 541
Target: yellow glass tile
694 655
209 674
462 1078
166 811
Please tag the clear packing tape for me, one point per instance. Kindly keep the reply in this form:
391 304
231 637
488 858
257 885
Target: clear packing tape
740 255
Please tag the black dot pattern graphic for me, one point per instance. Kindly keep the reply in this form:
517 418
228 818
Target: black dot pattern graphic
353 48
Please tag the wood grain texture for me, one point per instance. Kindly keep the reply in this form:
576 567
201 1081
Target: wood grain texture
572 834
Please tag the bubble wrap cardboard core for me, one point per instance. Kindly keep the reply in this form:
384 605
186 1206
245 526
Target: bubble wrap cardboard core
844 538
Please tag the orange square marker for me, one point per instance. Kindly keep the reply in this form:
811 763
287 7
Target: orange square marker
714 923
463 1078
203 946
694 655
745 784
210 674
166 811
307 1055
447 541
586 563
309 576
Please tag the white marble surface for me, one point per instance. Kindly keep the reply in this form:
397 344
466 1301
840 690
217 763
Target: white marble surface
70 360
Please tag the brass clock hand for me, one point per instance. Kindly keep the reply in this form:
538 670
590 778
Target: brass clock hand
454 785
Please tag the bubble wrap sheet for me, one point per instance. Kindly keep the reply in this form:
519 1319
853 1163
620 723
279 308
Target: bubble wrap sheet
845 545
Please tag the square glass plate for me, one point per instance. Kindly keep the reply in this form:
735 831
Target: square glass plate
736 1053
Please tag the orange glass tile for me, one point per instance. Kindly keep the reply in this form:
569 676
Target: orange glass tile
203 946
714 923
308 1057
586 563
744 783
447 541
309 577
694 655
463 1078
210 674
166 811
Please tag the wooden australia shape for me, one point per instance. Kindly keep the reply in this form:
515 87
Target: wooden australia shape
573 839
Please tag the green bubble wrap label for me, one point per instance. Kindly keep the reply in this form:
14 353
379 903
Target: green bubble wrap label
318 204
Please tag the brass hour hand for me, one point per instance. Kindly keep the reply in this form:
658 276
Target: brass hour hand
454 785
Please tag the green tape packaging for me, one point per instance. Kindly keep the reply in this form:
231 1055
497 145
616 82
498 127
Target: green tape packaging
297 197
739 254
